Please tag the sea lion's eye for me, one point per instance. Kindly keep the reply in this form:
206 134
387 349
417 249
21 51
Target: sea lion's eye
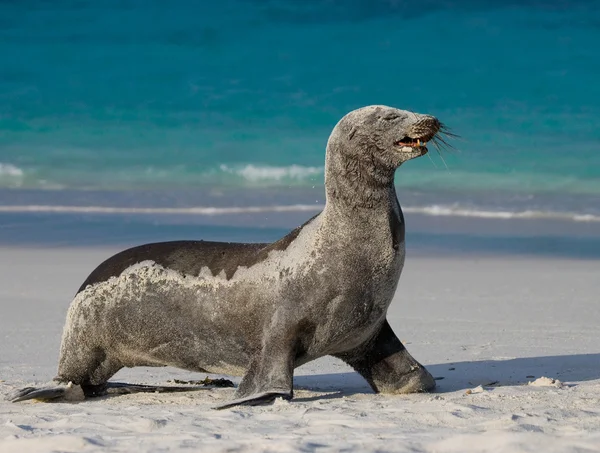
390 116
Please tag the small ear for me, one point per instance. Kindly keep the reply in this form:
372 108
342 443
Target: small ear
352 132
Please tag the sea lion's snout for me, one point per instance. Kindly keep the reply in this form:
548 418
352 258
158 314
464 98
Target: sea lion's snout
419 134
426 128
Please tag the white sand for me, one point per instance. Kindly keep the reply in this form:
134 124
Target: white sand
484 325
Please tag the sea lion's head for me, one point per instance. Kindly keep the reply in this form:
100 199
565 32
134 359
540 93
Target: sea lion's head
385 135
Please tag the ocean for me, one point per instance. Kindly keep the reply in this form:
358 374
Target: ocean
200 110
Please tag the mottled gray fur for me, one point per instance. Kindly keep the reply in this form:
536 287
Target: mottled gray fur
260 310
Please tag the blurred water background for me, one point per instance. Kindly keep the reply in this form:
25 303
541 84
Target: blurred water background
176 112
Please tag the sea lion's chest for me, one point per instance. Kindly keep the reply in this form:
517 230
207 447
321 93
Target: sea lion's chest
363 260
356 280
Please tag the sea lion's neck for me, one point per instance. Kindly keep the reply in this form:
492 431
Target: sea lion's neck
354 183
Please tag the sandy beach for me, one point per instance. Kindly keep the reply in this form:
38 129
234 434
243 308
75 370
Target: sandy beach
511 340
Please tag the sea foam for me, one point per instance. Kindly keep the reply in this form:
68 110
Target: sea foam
10 170
11 175
453 210
258 173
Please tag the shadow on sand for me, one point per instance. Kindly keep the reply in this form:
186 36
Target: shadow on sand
455 376
450 377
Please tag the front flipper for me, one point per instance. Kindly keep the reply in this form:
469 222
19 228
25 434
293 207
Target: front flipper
387 366
271 372
256 399
68 392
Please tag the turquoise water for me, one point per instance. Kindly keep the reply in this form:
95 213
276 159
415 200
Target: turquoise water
241 95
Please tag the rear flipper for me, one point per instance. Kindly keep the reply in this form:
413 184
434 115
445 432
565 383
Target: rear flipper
73 392
69 392
122 388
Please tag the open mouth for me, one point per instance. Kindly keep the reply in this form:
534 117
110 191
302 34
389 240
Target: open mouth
411 142
429 130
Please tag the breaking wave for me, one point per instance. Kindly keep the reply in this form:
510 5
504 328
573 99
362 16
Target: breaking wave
257 173
433 210
198 210
11 175
224 175
457 211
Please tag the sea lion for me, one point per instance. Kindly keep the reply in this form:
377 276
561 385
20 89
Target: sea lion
260 310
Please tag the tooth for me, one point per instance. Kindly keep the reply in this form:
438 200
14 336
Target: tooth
418 142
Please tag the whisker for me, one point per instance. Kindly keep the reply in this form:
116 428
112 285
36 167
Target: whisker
448 135
443 160
431 160
441 146
441 141
445 130
444 135
444 143
438 148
